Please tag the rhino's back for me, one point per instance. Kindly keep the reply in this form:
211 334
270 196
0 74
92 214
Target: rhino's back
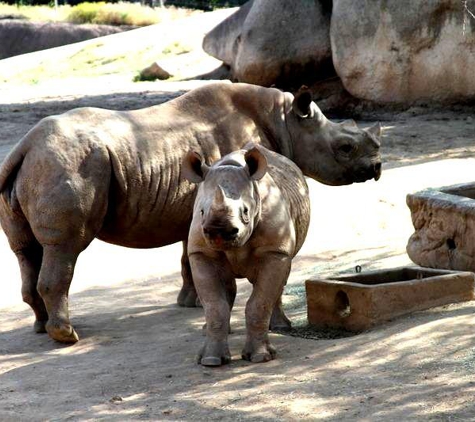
150 204
136 160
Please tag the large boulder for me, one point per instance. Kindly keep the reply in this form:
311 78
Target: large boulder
279 42
222 40
20 36
403 51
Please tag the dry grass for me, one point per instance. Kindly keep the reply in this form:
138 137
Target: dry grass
97 13
36 13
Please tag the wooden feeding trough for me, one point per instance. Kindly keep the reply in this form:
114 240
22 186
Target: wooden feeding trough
444 223
360 301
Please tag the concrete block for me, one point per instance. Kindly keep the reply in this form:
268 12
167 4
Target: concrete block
361 301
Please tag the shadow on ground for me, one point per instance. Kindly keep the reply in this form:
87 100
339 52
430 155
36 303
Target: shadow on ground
136 360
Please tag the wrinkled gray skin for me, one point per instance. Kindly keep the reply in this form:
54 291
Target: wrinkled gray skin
250 219
116 175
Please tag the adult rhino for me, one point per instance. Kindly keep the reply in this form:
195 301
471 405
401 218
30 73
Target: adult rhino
116 175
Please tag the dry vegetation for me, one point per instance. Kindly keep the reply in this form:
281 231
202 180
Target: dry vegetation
98 13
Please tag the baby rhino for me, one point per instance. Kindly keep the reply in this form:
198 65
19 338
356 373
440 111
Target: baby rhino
250 219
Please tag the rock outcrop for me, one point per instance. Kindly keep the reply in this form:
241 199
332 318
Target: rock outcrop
403 51
444 223
21 36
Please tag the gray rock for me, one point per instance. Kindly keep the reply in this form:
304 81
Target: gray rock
279 42
20 37
154 71
444 227
221 41
403 51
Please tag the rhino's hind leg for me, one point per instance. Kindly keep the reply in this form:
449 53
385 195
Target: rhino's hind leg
30 259
187 296
29 254
278 320
53 285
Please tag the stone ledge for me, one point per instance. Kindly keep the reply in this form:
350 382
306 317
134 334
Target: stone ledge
360 301
444 223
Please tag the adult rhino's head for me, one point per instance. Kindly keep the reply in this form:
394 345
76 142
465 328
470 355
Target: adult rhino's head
227 204
332 153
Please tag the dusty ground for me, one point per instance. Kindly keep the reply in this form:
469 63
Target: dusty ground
135 359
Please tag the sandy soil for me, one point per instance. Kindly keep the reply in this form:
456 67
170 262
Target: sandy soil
135 359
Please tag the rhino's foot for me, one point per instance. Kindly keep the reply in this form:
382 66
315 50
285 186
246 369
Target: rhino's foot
214 353
62 332
40 326
188 297
279 321
258 352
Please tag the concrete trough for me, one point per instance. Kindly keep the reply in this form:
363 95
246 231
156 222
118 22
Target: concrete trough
444 224
361 301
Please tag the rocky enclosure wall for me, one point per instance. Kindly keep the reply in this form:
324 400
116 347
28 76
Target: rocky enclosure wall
444 224
398 51
20 37
405 50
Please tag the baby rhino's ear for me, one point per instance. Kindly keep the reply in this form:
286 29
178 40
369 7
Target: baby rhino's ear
193 168
256 163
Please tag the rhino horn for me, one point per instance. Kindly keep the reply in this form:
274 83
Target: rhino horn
349 123
376 130
219 197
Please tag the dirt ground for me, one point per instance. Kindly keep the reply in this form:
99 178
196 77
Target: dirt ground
136 356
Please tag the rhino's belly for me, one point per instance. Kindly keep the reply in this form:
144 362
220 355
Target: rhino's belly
153 235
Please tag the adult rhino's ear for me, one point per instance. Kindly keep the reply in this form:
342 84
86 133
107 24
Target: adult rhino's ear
303 106
193 168
301 103
256 163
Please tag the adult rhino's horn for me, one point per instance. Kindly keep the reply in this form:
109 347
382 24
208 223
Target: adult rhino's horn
349 123
376 130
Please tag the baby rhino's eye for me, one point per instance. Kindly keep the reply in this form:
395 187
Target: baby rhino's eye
245 215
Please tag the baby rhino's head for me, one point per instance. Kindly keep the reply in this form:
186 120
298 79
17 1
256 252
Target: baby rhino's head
227 204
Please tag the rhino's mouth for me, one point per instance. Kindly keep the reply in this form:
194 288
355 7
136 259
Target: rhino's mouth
374 172
221 242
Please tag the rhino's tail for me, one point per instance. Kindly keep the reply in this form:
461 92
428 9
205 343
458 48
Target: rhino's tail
12 163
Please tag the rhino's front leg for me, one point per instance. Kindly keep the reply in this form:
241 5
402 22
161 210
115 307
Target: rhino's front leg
187 296
211 278
268 286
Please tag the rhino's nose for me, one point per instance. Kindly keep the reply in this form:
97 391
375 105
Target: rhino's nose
226 233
